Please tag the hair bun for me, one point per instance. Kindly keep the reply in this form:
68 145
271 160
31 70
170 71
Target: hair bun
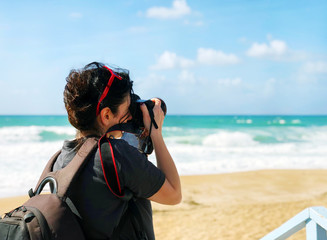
78 100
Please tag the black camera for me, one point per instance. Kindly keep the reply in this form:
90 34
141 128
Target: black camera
134 131
136 112
136 125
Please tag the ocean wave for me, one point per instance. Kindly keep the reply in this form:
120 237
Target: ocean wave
173 129
26 150
206 159
227 139
265 121
248 136
22 164
244 121
35 134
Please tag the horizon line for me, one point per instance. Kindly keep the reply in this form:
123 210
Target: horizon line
187 114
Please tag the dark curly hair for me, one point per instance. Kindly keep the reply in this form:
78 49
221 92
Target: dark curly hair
83 90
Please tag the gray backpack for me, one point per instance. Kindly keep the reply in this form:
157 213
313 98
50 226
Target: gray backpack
49 216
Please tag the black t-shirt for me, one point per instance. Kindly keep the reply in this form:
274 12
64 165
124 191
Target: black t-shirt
100 209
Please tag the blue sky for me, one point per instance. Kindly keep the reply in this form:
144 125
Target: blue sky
201 57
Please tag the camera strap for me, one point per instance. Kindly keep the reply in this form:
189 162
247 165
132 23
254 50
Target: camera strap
152 120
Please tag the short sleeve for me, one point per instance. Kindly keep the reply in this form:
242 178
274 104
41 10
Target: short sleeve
137 173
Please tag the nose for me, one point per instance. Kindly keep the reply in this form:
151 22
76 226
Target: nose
127 117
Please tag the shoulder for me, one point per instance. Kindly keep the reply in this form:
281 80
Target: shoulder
120 143
124 155
68 151
123 148
136 172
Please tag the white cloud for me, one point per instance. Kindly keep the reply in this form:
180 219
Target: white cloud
186 83
179 9
149 86
170 60
315 67
312 72
187 77
205 56
274 49
214 57
75 15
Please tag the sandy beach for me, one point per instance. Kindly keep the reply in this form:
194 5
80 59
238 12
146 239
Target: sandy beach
245 205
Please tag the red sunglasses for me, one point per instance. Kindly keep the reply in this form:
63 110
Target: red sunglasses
106 90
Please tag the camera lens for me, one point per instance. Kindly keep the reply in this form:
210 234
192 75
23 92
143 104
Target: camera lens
135 110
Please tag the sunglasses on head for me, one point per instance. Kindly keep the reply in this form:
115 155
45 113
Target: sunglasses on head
106 90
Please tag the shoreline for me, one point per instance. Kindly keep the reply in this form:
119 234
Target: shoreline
241 205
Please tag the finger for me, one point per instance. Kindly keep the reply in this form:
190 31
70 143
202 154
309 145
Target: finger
144 109
156 101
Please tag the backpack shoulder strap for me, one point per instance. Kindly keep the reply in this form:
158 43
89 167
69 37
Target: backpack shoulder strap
68 174
47 169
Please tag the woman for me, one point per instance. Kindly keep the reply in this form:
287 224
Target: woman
97 98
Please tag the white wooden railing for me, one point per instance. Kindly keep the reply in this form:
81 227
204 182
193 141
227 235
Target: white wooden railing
313 218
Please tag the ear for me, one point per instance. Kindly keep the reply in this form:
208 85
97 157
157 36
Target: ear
105 117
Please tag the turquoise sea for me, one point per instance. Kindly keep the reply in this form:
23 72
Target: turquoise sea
198 144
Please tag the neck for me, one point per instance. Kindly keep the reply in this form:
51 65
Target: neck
81 134
115 134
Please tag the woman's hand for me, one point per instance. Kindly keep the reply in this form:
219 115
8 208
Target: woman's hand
158 116
170 192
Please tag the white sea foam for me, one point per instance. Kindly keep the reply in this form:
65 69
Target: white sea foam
244 121
296 121
173 129
21 165
238 150
10 135
225 139
24 151
209 159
